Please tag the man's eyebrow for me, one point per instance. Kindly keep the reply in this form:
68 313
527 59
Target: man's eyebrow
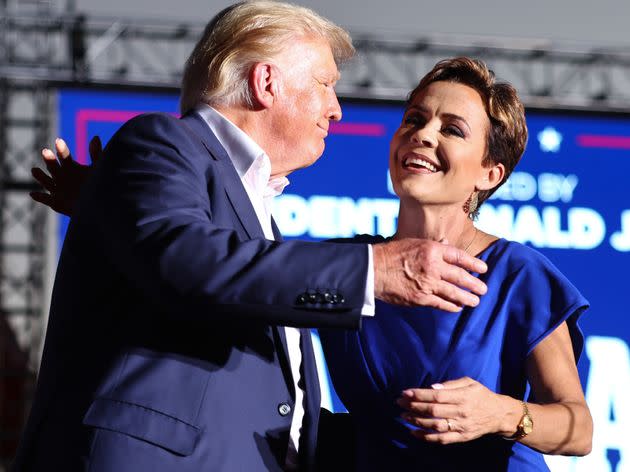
331 77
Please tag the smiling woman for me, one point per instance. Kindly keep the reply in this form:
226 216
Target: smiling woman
505 369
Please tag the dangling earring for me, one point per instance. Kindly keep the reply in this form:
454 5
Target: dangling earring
474 202
471 204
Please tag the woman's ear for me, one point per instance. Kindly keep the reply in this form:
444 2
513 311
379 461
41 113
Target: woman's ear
492 176
264 84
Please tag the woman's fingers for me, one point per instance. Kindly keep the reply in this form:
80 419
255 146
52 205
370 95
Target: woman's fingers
451 411
455 383
454 394
439 438
439 425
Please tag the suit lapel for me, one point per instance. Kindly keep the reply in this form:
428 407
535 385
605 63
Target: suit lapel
312 400
245 212
276 231
234 189
283 349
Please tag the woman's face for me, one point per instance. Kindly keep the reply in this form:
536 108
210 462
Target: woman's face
436 153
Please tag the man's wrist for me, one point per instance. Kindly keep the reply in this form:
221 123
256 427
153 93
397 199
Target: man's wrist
379 259
368 298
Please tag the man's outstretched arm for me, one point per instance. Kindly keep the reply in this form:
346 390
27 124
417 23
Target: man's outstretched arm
408 272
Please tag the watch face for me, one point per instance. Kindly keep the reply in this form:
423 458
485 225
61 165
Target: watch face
527 424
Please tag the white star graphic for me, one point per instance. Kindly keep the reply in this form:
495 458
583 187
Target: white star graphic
549 139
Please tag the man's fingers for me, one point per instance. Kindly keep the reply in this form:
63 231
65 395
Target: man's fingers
43 178
459 277
96 149
63 152
50 160
48 155
455 295
461 258
42 197
435 301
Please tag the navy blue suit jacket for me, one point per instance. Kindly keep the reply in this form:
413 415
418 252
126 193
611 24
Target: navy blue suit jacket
163 351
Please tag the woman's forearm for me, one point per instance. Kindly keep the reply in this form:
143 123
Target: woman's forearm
558 428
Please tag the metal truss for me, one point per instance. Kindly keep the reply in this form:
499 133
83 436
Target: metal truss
546 74
25 125
120 52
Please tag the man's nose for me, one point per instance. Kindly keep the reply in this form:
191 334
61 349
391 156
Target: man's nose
334 109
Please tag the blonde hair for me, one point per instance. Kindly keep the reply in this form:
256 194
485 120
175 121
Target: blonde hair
507 135
242 35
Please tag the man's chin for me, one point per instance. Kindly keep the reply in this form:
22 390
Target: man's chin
312 159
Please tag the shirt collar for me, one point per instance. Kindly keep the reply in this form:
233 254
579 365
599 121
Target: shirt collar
250 161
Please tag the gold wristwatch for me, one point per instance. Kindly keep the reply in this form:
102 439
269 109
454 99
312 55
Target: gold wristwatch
525 426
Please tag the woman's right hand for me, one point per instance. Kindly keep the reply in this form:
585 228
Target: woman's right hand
66 178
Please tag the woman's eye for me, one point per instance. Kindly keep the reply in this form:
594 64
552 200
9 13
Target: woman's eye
412 120
453 130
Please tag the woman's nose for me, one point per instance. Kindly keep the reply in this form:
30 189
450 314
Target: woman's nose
423 136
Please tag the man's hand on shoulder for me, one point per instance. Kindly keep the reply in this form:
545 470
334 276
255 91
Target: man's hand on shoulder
415 272
67 177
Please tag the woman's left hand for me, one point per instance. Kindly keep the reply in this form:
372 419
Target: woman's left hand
455 411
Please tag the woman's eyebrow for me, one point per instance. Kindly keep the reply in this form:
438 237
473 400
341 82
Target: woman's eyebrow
417 108
454 116
450 116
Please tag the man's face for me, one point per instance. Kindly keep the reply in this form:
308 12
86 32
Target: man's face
305 106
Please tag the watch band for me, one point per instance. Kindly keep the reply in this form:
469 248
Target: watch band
525 425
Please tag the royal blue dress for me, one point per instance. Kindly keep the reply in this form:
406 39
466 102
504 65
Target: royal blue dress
401 347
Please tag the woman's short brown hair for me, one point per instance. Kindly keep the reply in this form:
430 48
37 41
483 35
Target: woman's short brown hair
507 136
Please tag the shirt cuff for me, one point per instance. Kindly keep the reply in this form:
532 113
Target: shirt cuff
368 301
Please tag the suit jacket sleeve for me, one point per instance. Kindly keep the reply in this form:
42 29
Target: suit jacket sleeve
157 208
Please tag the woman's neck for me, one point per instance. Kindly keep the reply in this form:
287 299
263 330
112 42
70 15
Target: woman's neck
437 223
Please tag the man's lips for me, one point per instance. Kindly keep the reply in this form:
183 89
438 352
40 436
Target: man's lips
412 161
324 130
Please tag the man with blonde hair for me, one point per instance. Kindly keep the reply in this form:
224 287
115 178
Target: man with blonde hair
172 342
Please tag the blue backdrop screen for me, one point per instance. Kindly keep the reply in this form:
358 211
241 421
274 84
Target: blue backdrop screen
567 198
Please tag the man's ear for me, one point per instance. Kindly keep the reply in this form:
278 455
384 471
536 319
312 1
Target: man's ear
264 84
492 176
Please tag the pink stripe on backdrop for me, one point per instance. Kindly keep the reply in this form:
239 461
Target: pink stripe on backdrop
81 123
358 129
603 141
84 116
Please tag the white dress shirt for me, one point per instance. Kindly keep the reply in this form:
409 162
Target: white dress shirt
254 169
